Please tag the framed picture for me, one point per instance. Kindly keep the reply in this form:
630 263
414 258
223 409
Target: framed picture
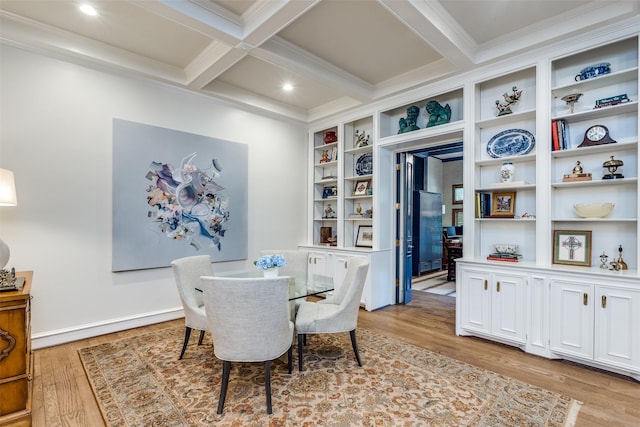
456 215
325 234
361 188
503 204
365 236
329 192
572 247
457 194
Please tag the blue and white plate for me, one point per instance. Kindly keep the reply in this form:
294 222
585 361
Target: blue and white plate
511 142
364 165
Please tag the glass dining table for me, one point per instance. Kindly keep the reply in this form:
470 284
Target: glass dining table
301 284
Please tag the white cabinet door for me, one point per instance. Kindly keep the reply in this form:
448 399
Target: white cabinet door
318 263
475 300
508 308
571 310
617 332
493 303
340 265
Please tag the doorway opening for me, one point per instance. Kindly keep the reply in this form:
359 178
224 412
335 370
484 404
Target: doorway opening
429 218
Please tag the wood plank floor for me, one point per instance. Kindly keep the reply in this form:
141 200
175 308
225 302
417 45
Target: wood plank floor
62 395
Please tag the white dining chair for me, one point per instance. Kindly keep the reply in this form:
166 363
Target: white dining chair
249 320
297 261
337 313
187 272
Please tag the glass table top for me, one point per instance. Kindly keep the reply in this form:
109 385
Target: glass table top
301 284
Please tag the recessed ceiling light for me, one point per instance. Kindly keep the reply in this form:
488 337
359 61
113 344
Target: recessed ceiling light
88 10
287 87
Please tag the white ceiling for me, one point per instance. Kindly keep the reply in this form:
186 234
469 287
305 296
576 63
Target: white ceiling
338 54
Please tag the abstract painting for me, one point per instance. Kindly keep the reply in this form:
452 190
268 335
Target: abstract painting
176 194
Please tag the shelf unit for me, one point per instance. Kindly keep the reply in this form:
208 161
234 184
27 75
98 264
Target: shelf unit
325 158
621 226
358 161
487 123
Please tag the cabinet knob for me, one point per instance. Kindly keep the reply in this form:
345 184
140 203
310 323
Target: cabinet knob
604 301
498 286
486 284
585 299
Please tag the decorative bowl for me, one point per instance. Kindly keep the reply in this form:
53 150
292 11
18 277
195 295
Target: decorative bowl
593 210
506 248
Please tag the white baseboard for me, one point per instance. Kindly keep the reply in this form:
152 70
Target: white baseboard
62 336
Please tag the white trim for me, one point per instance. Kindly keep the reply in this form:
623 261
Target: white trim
90 330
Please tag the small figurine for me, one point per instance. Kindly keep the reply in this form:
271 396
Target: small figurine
325 156
603 261
362 139
409 124
438 114
509 101
329 212
577 168
577 174
622 265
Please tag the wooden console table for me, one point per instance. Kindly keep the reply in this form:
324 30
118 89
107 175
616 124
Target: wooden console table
16 363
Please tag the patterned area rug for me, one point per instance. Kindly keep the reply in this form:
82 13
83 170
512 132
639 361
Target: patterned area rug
139 382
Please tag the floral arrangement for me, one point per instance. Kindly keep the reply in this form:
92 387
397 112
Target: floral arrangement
266 262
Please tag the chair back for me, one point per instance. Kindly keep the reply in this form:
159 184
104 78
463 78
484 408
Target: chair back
353 282
297 261
187 272
248 317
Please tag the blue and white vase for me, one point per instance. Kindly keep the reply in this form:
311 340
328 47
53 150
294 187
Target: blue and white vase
507 171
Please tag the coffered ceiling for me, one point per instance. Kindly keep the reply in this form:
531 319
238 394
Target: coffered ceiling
336 54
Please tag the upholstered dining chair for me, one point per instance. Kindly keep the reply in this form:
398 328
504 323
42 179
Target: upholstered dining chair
297 265
338 312
249 321
187 272
297 261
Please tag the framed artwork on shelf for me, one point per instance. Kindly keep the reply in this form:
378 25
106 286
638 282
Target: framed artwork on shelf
365 236
503 204
457 194
329 192
361 188
456 217
572 247
325 234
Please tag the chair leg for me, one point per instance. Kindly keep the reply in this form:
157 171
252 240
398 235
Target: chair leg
290 358
187 334
354 344
226 367
267 384
201 338
300 340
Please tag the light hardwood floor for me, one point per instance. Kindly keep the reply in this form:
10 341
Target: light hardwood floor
62 395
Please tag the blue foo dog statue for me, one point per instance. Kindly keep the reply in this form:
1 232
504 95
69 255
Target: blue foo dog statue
438 115
409 124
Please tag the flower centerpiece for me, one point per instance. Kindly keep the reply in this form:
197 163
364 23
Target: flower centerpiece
270 264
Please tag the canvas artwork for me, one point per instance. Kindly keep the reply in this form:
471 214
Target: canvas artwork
176 194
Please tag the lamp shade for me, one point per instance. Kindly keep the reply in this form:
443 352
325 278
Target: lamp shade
7 188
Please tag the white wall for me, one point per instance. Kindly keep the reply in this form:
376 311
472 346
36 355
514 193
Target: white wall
56 135
452 175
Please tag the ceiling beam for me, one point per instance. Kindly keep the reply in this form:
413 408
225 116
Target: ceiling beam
430 21
52 41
